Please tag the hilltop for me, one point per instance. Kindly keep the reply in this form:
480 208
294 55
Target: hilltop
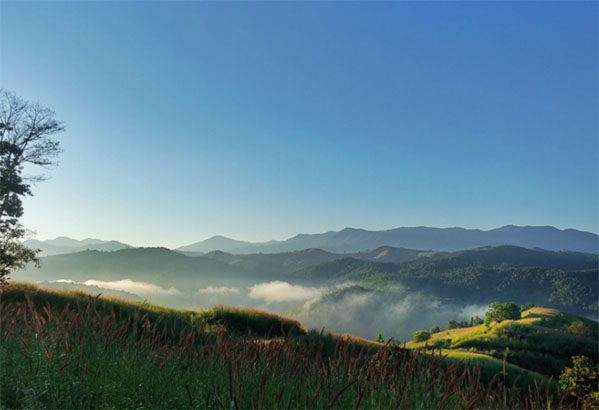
543 340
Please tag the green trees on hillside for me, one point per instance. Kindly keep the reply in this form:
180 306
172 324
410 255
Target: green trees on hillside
502 311
452 324
25 138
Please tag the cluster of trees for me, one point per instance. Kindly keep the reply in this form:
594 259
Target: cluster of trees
499 312
457 324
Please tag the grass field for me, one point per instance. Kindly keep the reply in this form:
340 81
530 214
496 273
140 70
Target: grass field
69 350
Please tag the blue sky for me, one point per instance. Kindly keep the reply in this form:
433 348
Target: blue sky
262 120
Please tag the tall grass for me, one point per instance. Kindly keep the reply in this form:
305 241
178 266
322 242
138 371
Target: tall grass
81 356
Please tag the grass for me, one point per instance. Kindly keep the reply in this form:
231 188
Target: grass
68 350
540 342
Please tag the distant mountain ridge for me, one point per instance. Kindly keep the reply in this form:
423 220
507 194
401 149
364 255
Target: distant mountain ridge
63 244
437 239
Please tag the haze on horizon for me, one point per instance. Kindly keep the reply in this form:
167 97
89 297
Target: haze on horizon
258 121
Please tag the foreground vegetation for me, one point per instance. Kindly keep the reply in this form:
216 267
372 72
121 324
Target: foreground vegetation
69 350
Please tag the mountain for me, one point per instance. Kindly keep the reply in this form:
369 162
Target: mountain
438 239
159 266
72 243
562 280
216 243
285 263
279 264
62 244
392 254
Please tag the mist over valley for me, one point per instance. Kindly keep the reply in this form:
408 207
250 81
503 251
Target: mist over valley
389 290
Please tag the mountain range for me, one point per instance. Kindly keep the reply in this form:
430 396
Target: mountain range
437 239
62 244
562 279
351 240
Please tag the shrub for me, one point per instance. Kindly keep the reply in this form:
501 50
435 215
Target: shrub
579 329
244 320
421 335
582 380
440 344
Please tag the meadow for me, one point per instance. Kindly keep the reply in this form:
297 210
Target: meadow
72 350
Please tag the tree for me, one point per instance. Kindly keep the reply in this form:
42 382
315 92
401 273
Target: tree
475 321
380 338
421 335
435 329
582 380
25 138
452 324
498 312
526 306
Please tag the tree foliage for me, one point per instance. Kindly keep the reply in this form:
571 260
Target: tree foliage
582 381
26 131
421 335
502 311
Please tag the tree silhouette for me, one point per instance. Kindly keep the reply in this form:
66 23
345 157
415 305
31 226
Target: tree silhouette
25 138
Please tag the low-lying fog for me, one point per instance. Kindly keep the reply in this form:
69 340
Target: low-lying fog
343 308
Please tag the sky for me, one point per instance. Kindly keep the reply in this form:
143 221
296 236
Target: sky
261 120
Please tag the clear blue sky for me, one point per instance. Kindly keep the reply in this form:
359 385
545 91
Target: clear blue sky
261 120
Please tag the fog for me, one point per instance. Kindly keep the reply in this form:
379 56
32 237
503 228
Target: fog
394 314
126 285
279 291
341 308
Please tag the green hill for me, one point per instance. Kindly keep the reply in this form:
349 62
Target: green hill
544 340
72 350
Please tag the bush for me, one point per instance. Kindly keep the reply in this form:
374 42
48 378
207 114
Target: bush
435 329
578 328
582 380
440 344
421 335
244 320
